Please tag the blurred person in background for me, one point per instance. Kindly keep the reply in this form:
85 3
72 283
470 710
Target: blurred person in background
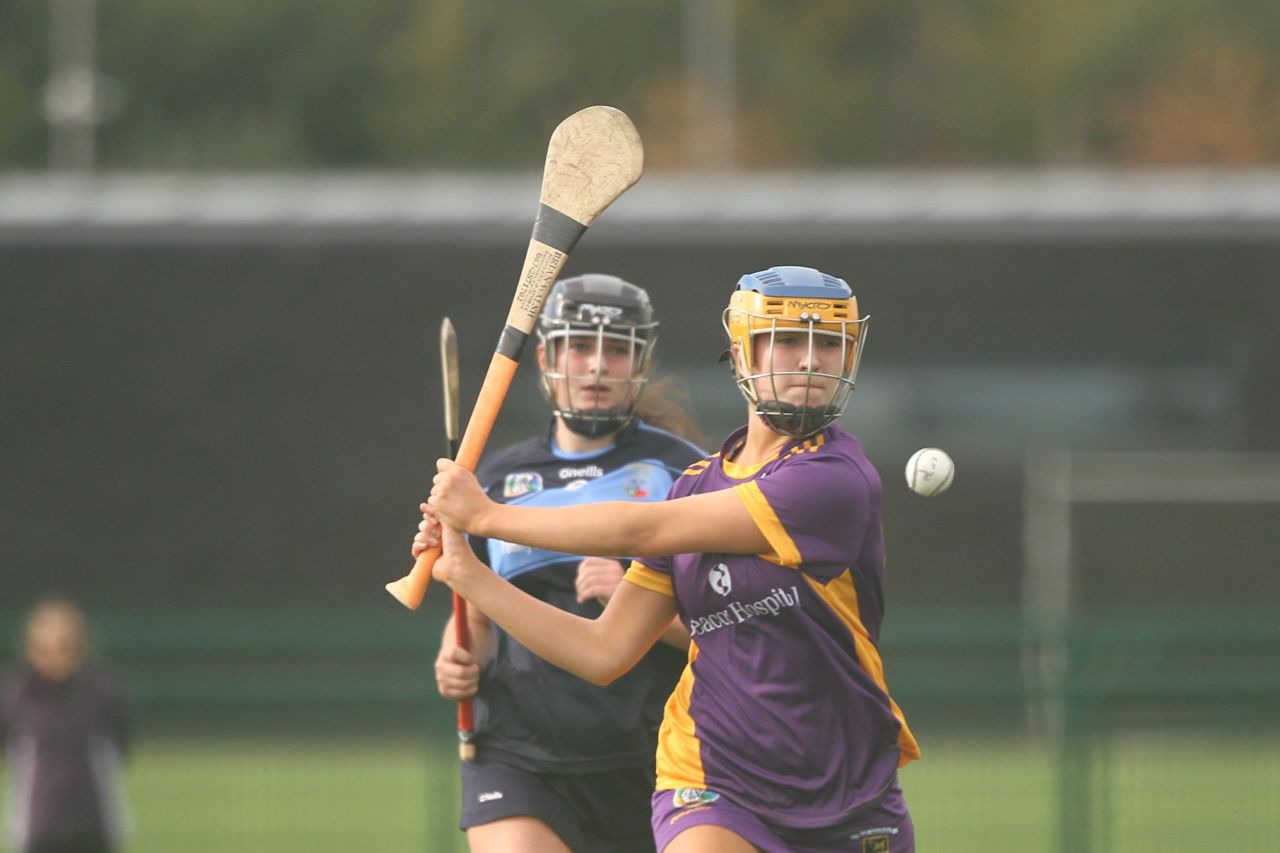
66 724
562 764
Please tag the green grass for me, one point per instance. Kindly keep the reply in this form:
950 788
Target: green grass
322 796
244 796
1167 791
1193 794
981 795
1156 793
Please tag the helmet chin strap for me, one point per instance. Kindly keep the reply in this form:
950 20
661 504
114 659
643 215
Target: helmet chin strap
598 424
795 421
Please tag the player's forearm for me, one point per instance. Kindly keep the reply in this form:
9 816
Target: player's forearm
568 641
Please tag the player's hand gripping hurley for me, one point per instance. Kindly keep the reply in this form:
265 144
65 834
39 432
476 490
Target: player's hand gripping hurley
593 157
461 627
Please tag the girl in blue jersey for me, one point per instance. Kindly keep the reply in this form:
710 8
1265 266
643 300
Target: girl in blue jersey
781 734
562 764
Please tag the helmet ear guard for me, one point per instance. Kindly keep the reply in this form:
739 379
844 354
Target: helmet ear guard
787 301
608 309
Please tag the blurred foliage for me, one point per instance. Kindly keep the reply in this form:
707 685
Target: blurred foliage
22 69
303 84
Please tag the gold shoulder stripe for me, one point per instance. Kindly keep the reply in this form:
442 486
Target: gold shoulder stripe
767 520
646 578
700 465
808 446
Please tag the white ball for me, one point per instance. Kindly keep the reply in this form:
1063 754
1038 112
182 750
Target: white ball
930 471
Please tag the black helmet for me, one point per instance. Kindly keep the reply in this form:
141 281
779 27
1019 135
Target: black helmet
603 307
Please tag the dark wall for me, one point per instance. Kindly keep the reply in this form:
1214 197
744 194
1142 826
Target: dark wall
251 424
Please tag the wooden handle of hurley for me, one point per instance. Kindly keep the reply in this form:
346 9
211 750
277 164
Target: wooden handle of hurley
593 157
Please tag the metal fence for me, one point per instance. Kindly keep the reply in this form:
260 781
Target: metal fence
320 733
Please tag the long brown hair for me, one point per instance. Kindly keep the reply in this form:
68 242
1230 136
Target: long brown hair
665 404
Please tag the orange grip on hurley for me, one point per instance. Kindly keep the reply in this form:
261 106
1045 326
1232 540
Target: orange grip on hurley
411 588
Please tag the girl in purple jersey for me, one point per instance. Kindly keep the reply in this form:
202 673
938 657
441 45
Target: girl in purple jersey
781 734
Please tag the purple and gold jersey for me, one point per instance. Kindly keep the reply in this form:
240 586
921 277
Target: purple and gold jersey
783 706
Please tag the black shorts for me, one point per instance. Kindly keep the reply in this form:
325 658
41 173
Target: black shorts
589 811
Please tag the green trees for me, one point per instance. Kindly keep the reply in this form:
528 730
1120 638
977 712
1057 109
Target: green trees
332 84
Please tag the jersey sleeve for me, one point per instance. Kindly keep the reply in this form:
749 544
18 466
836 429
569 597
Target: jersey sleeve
814 511
660 567
654 580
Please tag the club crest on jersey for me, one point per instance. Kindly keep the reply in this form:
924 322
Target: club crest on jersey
637 488
720 579
685 797
521 484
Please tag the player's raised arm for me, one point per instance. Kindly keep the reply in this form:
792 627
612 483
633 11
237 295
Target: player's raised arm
598 650
713 522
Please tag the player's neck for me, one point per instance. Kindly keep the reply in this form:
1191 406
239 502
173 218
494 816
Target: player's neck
570 442
761 443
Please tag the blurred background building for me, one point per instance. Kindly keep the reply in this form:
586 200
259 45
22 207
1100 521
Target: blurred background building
228 233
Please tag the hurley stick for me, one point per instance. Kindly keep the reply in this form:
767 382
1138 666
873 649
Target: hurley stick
461 627
593 157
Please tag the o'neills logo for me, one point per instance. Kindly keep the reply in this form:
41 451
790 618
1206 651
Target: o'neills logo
585 471
738 612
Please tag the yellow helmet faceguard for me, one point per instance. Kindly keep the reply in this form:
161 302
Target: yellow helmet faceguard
782 302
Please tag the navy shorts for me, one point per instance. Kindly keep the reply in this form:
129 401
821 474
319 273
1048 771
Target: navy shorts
880 827
589 811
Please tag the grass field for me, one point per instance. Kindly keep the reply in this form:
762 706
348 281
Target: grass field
981 795
1155 793
321 796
